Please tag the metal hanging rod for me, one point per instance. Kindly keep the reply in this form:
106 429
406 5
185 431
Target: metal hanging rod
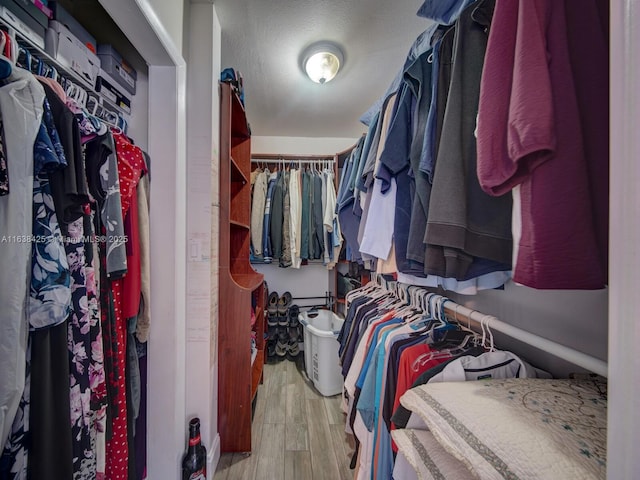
466 316
275 158
475 320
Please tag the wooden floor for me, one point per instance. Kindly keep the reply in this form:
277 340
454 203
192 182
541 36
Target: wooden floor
297 433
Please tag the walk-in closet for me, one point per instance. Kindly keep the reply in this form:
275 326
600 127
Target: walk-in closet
319 240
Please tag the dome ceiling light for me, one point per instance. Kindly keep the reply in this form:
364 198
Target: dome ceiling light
322 61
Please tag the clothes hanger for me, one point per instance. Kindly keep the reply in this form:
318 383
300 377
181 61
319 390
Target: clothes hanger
484 322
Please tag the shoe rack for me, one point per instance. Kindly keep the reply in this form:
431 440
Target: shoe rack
241 288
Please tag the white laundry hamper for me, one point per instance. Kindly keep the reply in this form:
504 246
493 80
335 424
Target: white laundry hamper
321 329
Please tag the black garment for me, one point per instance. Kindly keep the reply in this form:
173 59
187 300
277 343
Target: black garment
392 375
306 209
418 77
346 326
276 219
50 447
318 220
312 223
132 375
69 187
141 422
445 65
364 315
401 416
470 222
98 151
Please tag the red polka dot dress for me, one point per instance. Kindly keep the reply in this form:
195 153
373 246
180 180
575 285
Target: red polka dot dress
130 167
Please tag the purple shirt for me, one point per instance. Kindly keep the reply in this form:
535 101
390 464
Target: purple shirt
529 133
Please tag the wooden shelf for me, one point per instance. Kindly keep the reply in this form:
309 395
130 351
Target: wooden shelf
256 373
239 124
236 173
240 286
248 281
239 224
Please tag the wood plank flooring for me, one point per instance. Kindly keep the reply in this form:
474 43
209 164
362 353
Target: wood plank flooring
297 433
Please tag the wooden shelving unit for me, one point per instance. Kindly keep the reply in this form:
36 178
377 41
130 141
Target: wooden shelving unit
241 288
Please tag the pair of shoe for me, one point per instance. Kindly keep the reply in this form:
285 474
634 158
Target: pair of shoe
287 343
272 303
293 313
273 341
288 319
279 305
294 339
284 302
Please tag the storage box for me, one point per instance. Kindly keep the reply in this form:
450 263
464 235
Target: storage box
43 8
113 63
67 49
28 7
106 86
321 329
25 24
64 17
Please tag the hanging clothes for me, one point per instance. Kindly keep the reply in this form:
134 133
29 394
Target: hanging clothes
398 342
267 252
258 199
277 216
317 237
295 226
130 166
21 100
332 223
471 223
285 259
536 141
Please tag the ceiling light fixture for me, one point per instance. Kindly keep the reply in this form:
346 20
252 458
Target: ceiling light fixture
321 61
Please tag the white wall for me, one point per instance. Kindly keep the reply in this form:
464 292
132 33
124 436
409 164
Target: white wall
214 453
300 145
577 319
203 56
308 281
170 16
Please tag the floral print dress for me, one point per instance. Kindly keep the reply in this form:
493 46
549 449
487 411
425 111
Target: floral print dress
87 380
49 301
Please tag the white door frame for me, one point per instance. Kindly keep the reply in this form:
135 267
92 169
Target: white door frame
623 427
167 134
167 148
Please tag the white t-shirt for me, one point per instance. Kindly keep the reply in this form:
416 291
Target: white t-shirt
498 364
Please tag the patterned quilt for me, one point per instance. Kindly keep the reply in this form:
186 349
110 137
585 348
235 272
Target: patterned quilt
519 428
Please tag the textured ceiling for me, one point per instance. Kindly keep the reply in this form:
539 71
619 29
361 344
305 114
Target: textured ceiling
264 41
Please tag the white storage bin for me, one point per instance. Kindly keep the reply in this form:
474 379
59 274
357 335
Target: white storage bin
62 45
321 329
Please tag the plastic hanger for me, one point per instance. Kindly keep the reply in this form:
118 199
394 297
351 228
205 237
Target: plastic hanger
487 334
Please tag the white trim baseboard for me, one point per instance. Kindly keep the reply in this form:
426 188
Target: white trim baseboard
213 457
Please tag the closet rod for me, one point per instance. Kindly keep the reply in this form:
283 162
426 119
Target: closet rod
466 316
275 158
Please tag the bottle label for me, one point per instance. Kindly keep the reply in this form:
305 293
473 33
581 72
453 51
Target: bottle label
194 441
199 475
